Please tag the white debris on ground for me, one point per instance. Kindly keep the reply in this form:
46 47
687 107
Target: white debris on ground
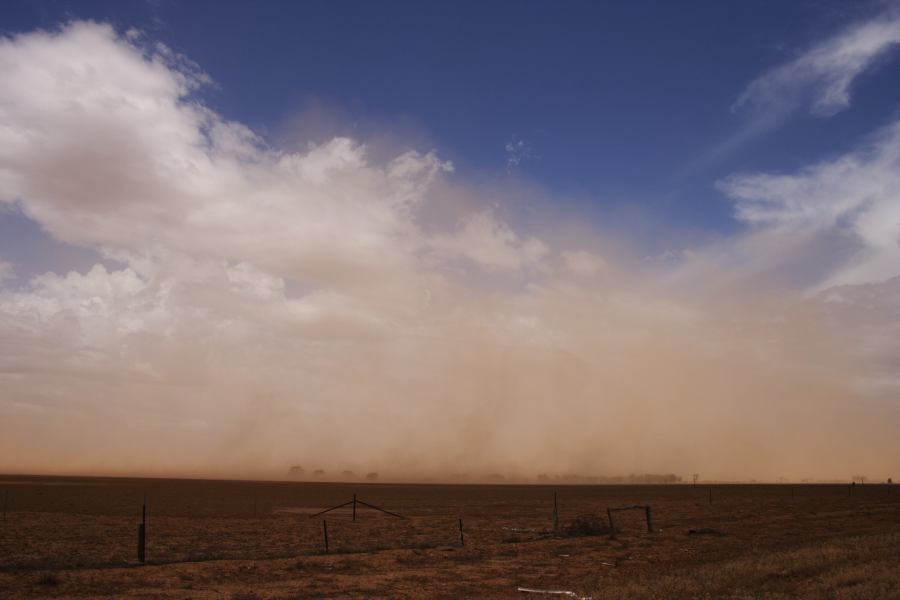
552 593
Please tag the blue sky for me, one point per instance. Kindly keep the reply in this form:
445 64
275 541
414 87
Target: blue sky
521 237
618 103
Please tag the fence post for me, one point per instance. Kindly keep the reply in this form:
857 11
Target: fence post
555 513
142 534
649 519
325 529
612 527
462 539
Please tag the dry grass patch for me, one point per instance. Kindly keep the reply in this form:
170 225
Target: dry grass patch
853 568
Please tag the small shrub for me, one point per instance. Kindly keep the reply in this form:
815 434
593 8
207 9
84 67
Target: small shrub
585 525
48 579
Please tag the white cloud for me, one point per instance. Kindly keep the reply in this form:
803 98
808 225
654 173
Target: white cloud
7 270
244 278
492 244
819 81
821 78
855 198
104 146
517 151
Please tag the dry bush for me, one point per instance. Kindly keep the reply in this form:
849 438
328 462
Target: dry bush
48 579
585 525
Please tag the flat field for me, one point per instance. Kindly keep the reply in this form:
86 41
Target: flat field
77 538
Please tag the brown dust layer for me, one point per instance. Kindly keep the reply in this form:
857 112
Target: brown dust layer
77 538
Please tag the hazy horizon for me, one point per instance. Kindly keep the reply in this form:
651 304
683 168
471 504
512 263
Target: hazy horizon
649 479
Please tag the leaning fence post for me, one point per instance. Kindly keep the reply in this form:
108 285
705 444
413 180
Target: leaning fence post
325 529
462 539
649 519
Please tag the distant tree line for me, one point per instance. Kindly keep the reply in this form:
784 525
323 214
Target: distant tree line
633 478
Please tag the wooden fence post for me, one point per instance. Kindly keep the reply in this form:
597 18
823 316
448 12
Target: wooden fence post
142 534
649 519
612 527
555 513
462 539
325 529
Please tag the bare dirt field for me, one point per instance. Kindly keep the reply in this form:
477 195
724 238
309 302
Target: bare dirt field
77 538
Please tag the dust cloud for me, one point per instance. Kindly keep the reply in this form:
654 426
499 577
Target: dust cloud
348 309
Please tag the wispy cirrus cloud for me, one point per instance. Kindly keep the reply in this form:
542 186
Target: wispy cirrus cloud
819 81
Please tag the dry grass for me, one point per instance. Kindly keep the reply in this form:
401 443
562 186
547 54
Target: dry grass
78 541
852 568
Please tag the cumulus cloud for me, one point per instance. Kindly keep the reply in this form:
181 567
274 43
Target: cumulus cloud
257 307
88 111
490 243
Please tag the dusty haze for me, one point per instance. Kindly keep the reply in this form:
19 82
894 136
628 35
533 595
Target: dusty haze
351 304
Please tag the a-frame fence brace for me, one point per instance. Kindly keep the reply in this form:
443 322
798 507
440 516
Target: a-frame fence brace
354 502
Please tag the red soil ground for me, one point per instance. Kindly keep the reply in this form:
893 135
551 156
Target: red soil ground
76 538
